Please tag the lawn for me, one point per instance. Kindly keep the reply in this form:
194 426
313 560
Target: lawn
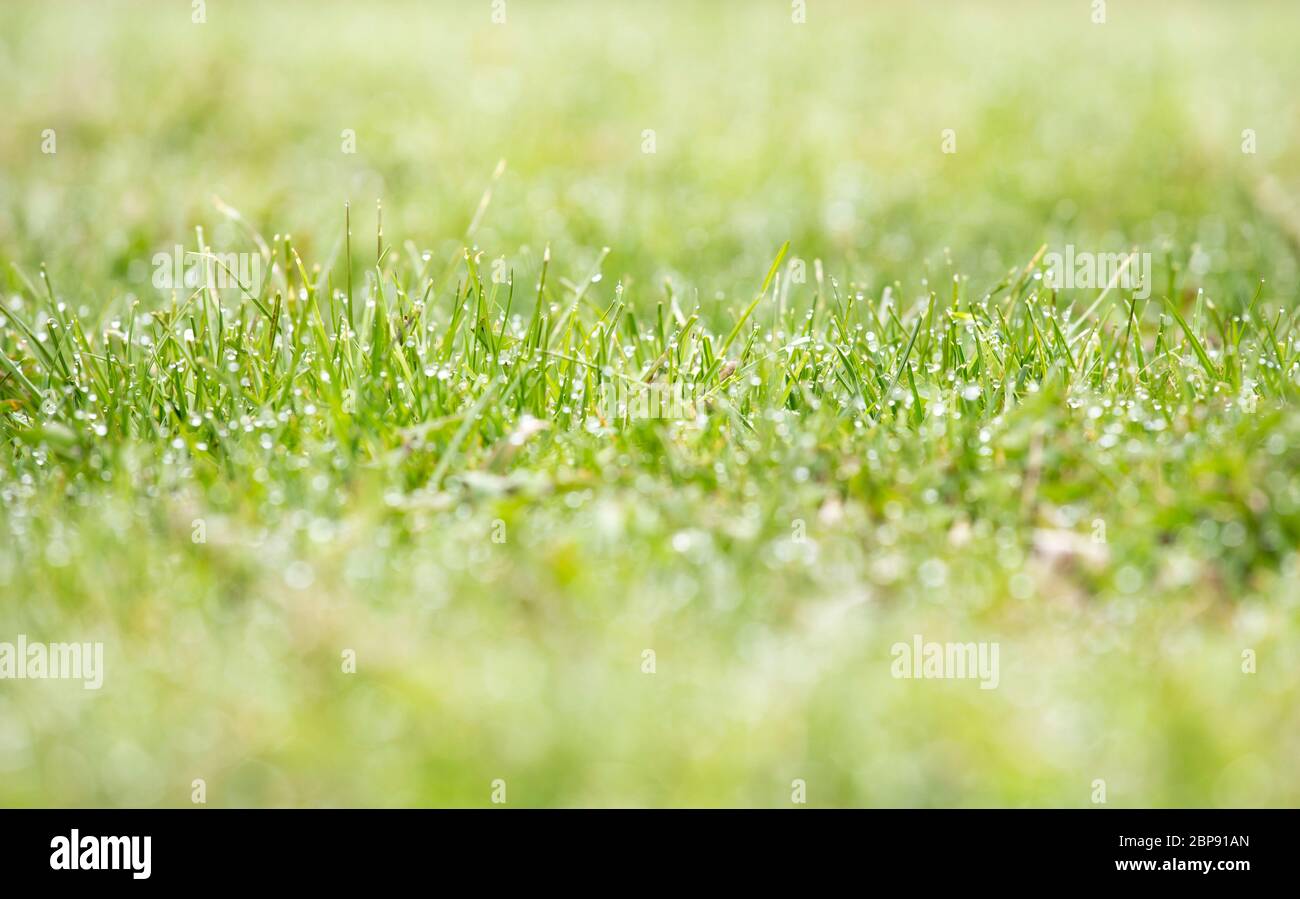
575 404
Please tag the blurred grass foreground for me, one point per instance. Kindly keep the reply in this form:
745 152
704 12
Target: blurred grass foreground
362 534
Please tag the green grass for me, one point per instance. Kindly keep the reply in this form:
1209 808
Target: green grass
396 442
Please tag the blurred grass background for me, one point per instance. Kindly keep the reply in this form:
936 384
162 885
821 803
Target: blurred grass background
522 661
826 133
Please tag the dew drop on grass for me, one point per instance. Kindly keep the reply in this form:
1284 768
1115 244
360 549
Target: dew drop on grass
933 573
